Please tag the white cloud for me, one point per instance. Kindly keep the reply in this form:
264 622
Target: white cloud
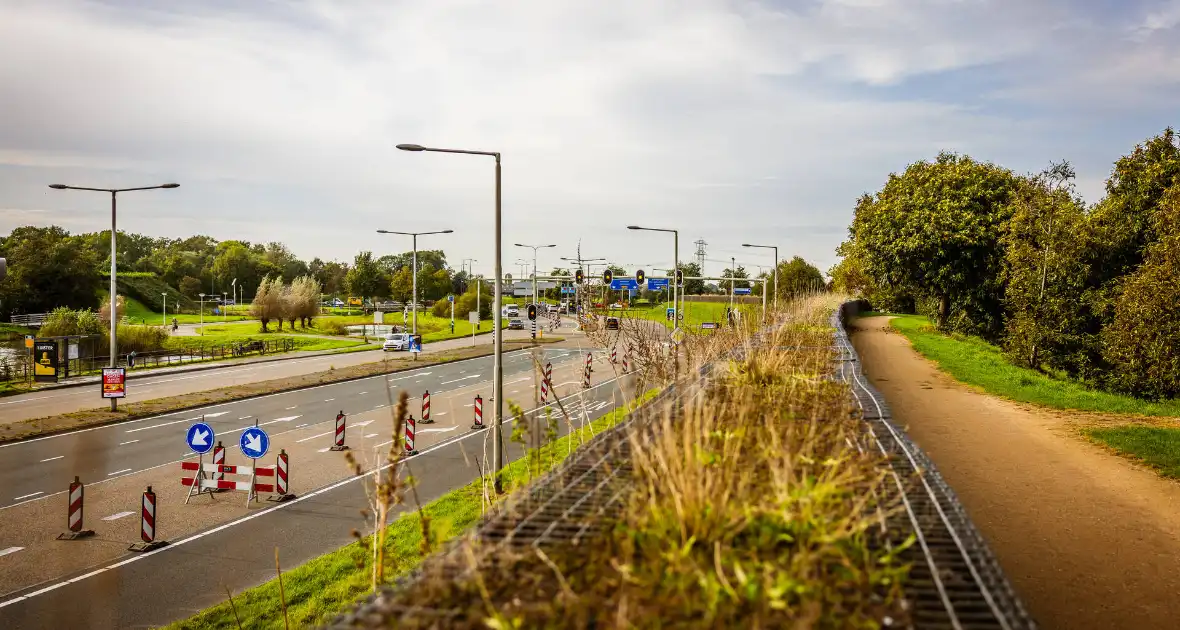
722 118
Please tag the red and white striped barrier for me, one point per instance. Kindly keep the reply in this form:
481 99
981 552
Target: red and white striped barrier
546 381
614 355
410 426
148 524
198 483
218 460
627 360
478 422
338 436
282 483
74 513
586 374
426 408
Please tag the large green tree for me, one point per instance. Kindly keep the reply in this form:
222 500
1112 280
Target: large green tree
47 269
366 279
934 230
797 276
1045 246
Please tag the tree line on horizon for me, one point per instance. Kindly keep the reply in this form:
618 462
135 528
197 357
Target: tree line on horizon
1023 262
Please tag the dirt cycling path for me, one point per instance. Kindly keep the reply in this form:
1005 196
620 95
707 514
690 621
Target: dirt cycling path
1087 539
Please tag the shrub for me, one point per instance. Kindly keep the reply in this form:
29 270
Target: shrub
65 321
331 326
141 338
442 308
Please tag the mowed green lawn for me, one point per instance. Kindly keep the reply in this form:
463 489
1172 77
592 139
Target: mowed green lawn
430 327
138 313
695 313
975 362
1157 447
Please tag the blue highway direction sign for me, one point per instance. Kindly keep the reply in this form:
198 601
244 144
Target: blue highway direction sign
655 284
254 443
741 291
623 283
200 438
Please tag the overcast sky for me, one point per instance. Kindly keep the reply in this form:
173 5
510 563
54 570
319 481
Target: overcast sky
732 121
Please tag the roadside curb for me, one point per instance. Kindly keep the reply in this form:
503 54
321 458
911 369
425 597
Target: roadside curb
4 441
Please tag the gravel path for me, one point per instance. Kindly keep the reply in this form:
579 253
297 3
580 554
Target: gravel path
1088 539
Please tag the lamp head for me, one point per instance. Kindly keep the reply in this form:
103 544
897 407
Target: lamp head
410 147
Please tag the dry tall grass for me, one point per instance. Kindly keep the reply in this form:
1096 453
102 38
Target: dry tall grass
748 505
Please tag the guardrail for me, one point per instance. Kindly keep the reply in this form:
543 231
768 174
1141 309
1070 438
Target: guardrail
31 320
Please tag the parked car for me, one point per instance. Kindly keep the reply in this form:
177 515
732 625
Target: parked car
396 341
515 323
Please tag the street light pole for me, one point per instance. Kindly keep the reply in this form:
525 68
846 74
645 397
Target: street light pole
201 307
775 248
675 269
114 362
414 283
497 333
534 248
164 317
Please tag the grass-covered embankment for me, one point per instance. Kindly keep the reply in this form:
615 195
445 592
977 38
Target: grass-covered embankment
748 507
321 588
975 362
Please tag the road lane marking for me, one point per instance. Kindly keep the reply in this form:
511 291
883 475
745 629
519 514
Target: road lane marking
314 436
244 418
287 419
17 402
118 472
372 435
459 379
401 378
291 407
469 405
49 459
378 407
440 413
329 399
115 517
164 424
214 415
362 393
128 442
5 552
27 496
300 426
437 430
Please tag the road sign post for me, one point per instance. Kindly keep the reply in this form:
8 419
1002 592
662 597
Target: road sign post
200 439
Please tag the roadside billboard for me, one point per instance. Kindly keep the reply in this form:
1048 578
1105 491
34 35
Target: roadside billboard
114 382
45 361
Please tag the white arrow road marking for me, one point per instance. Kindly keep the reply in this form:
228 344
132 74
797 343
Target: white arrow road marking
314 436
462 378
27 496
287 419
437 430
5 552
400 378
254 442
115 517
201 438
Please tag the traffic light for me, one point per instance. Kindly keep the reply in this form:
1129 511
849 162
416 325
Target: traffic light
640 276
579 276
3 268
607 276
679 277
532 312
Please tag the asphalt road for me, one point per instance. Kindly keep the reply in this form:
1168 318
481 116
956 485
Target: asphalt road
35 469
134 591
144 386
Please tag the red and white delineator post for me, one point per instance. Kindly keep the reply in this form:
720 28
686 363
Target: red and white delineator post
338 436
198 483
218 460
478 421
282 477
148 524
74 513
546 381
614 354
426 408
627 360
586 374
410 426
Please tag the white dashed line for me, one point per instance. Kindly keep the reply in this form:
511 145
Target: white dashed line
314 436
118 472
329 399
49 459
27 496
115 517
5 552
128 442
362 393
372 435
291 407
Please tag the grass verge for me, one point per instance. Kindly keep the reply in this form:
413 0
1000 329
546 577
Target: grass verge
34 427
320 588
980 364
1156 447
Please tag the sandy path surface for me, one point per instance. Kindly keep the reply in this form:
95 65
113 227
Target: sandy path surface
1088 539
